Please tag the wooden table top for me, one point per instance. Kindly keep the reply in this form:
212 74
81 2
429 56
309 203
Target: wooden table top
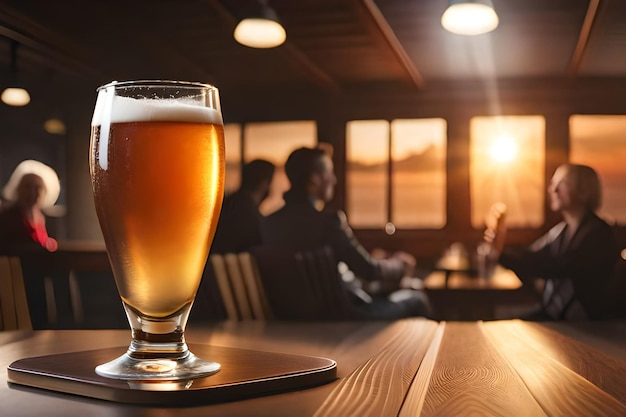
502 280
412 367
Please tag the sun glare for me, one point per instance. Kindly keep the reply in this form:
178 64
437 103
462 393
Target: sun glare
503 149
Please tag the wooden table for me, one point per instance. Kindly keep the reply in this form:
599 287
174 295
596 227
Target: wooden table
412 367
460 295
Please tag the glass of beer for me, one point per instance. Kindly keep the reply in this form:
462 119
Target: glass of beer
157 171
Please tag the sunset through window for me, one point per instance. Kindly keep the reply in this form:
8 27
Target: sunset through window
507 164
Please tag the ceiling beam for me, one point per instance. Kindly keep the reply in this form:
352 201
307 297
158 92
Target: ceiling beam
583 38
394 43
58 52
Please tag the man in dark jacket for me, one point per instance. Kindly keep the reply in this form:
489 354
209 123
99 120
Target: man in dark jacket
302 224
239 226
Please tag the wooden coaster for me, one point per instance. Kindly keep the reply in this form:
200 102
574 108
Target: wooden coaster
244 373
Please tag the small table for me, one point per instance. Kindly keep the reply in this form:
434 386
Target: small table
460 295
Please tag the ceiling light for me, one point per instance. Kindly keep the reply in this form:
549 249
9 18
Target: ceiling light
14 94
259 27
469 17
54 126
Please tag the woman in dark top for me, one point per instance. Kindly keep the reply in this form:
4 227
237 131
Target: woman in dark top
575 258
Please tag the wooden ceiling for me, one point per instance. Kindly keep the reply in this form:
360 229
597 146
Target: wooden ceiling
333 46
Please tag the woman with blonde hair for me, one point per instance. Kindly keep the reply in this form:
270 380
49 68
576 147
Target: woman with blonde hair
575 258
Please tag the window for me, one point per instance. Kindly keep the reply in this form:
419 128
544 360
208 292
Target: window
367 159
507 164
274 141
232 142
418 179
598 141
396 173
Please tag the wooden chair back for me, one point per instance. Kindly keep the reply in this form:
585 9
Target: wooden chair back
14 313
319 267
303 285
241 290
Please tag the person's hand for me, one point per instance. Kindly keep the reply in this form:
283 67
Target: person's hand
52 245
412 283
378 253
495 232
408 260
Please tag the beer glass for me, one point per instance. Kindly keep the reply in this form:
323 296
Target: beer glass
157 172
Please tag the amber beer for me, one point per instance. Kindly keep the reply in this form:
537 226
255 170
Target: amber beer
157 175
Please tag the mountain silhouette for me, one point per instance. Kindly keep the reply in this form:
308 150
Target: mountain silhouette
428 160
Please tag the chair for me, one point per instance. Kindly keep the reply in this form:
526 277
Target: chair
94 300
14 313
303 285
242 293
617 290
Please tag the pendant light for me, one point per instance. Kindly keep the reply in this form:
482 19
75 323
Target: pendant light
15 94
259 27
470 17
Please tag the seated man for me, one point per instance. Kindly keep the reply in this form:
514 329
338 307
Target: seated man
301 225
576 257
238 228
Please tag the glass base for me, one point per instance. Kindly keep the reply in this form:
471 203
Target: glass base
129 368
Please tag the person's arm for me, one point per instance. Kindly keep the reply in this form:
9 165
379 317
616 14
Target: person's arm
590 252
348 249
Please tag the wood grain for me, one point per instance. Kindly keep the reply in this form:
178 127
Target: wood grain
471 378
608 336
414 401
559 372
412 367
379 386
605 371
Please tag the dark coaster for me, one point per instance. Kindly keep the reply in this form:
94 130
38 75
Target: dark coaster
244 373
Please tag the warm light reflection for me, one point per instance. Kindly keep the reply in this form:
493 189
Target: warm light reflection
522 340
503 149
507 165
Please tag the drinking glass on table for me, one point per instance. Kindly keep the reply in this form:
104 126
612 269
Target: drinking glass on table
157 171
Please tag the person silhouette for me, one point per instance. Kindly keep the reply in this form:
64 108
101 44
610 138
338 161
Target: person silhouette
575 258
32 188
238 228
303 224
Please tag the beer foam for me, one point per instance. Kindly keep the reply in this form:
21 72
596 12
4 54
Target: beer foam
117 109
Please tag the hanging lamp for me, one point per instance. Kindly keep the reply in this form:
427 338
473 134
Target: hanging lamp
15 94
470 17
259 27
